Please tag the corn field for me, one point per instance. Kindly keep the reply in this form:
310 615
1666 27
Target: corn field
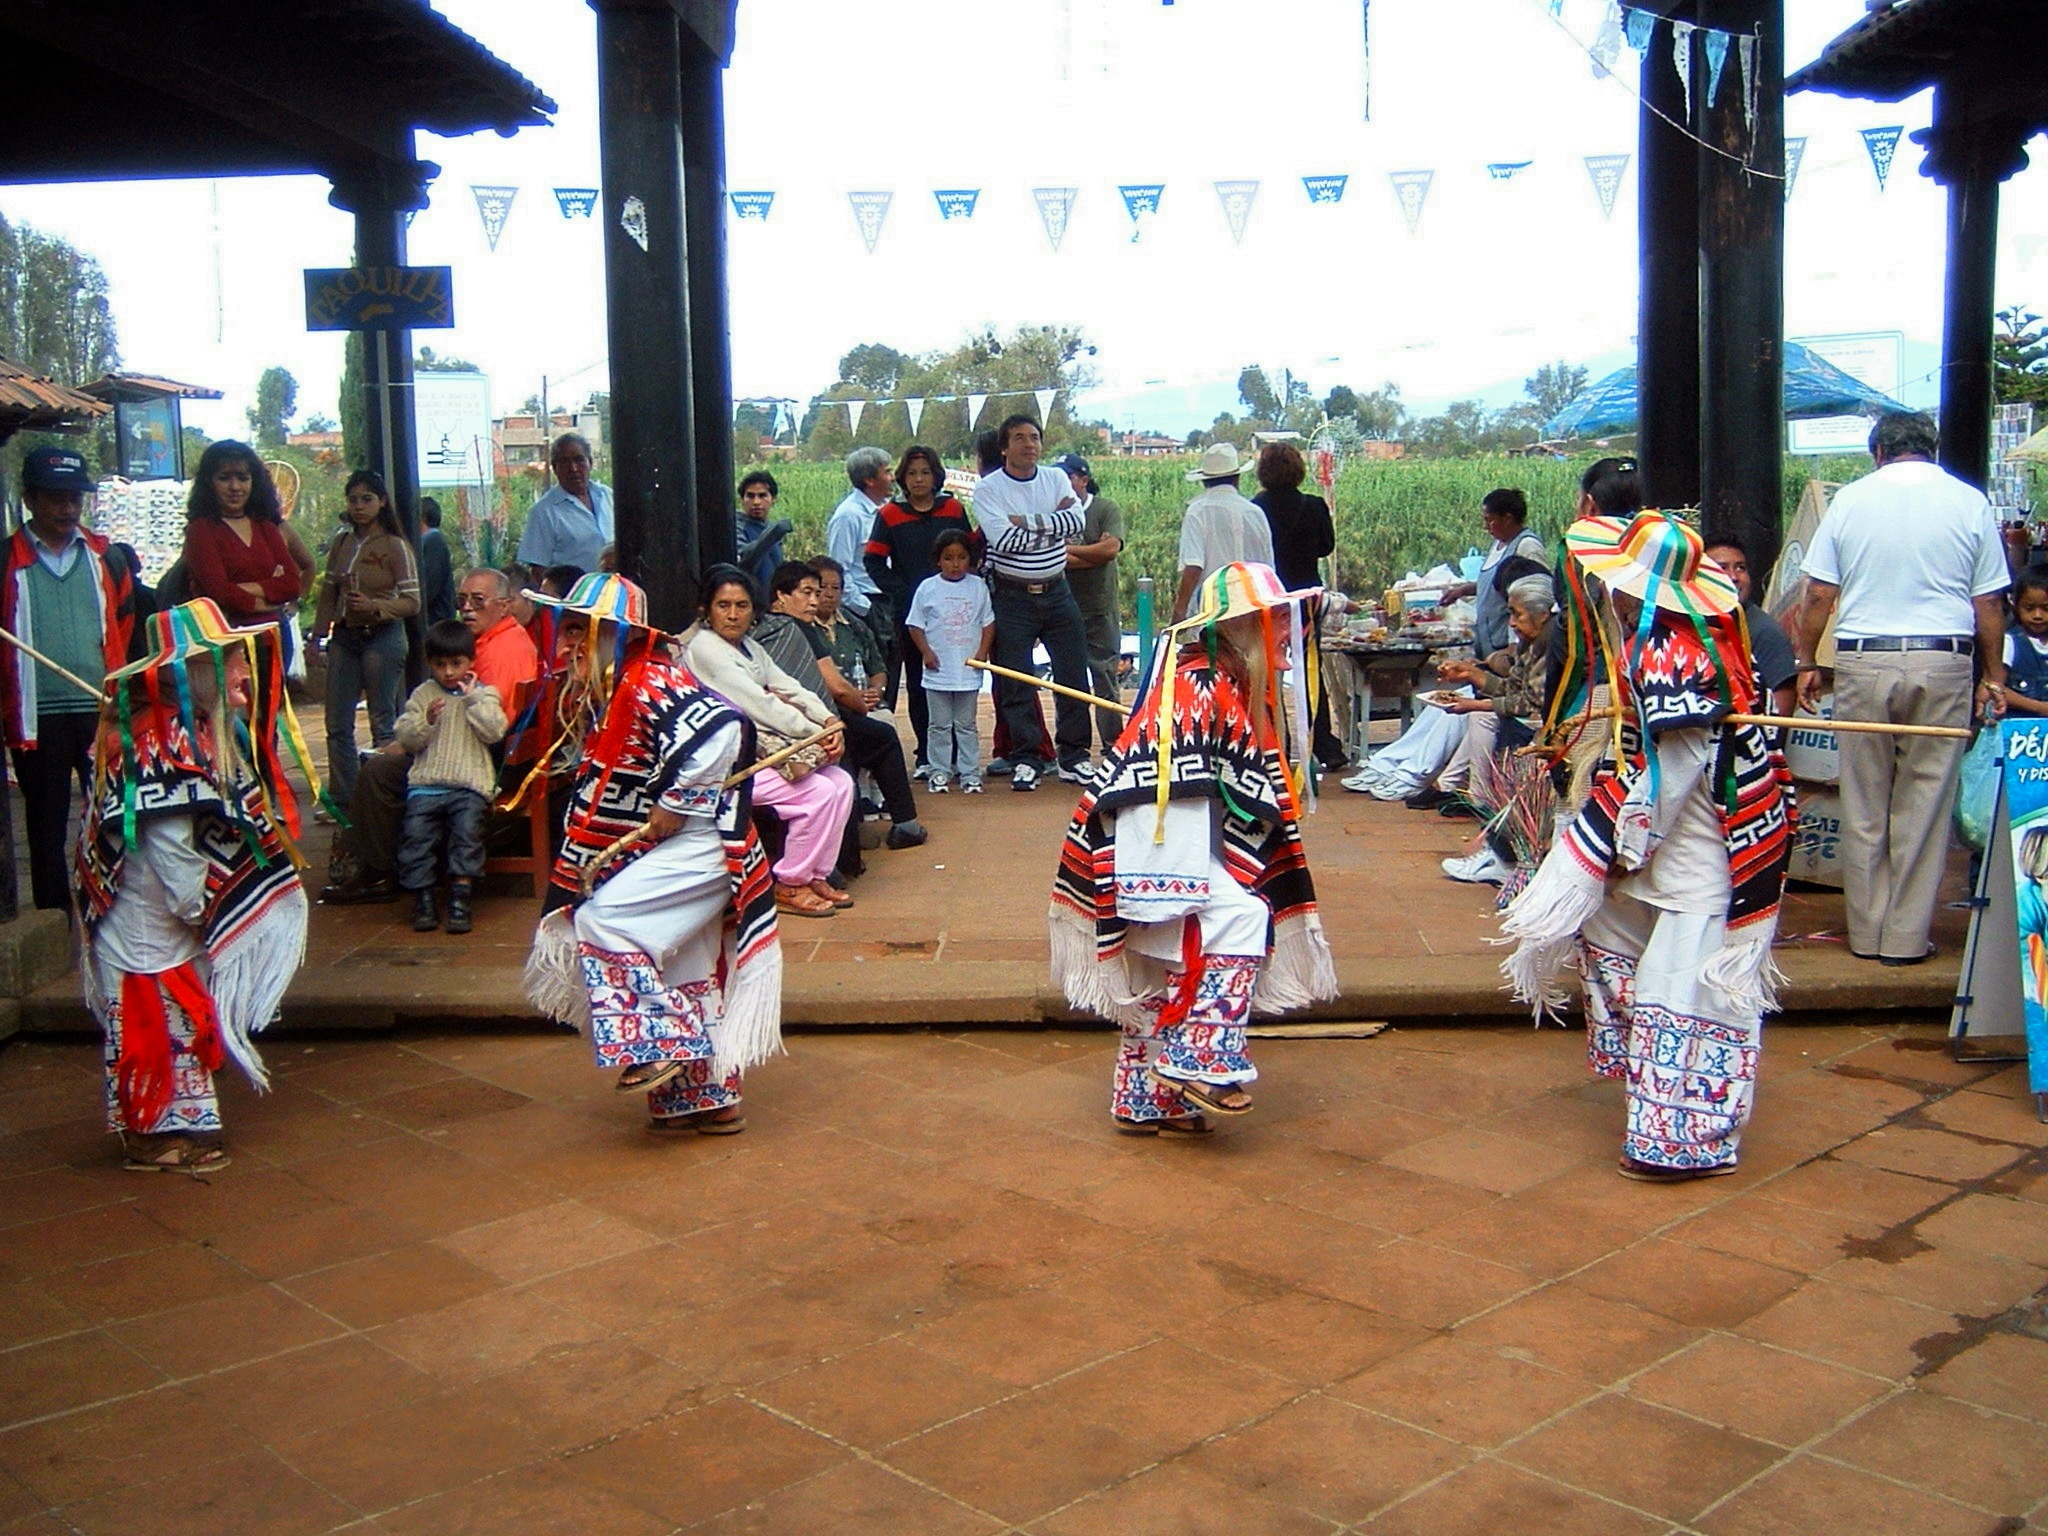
1392 516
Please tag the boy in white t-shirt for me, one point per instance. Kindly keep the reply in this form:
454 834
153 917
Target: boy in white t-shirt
951 619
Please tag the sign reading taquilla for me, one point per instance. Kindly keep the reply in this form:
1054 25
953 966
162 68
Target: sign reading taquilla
379 298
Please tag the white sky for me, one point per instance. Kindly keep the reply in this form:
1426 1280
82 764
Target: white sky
825 96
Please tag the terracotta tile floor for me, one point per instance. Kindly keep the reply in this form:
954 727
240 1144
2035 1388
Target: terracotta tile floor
449 1285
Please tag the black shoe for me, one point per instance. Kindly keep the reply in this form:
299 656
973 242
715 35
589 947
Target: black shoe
1456 810
1426 800
426 917
836 880
907 834
359 892
458 907
1898 960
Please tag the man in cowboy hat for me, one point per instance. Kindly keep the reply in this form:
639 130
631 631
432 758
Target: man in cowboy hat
63 594
1663 890
188 889
659 939
1171 918
1219 527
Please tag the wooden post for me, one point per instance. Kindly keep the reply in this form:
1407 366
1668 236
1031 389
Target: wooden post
703 103
647 280
1742 288
1668 307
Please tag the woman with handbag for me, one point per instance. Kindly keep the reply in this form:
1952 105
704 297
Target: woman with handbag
808 792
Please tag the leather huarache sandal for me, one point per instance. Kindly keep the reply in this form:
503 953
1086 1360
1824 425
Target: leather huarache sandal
171 1153
802 901
729 1121
1215 1098
1179 1128
648 1075
825 890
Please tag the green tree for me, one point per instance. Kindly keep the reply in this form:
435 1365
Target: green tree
319 421
2019 357
56 315
1553 387
427 362
1455 434
354 402
1256 391
873 367
277 395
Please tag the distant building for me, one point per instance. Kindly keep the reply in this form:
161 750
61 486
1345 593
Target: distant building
520 442
316 442
1144 445
1381 448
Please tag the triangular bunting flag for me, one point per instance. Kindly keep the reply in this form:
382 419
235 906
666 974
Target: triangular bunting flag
1411 190
494 207
1325 189
916 409
1606 173
1507 170
1717 56
1882 144
1607 41
1055 206
1141 202
853 410
1237 198
870 209
1745 56
974 405
1637 26
957 203
576 202
1681 60
633 220
1045 398
1795 151
751 205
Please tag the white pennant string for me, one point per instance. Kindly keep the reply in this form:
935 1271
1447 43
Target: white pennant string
1681 60
974 405
1745 57
1045 398
853 410
916 409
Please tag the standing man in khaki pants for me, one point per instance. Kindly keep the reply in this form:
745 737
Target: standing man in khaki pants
1909 562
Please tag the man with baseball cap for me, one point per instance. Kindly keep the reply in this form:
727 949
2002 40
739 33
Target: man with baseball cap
61 594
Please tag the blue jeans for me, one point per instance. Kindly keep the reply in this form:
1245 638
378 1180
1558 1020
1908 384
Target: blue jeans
1054 618
361 663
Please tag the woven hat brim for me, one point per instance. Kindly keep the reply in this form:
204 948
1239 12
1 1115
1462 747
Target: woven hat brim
1599 545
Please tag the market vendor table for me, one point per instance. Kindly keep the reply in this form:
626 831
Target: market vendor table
1356 670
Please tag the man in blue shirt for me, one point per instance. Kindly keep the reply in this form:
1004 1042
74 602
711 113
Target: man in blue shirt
757 541
572 523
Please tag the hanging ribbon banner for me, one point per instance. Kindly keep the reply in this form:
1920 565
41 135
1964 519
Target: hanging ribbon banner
1237 198
1681 60
1717 56
1325 189
1141 202
915 410
870 210
957 203
1411 190
1055 206
751 205
1745 56
576 202
494 207
1795 151
1882 144
1507 170
1606 171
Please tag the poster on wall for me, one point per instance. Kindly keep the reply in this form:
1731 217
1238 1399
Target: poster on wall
1876 358
452 416
2026 806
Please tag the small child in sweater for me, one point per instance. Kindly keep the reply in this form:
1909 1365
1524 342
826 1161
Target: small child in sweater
950 620
448 725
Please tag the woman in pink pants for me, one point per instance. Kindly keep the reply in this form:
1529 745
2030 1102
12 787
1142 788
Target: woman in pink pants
814 804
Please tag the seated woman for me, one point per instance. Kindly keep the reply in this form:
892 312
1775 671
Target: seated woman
1509 688
810 793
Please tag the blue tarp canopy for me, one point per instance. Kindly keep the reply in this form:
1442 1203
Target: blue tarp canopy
1813 387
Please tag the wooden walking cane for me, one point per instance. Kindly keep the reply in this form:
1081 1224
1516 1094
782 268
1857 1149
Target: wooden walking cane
1038 682
1789 722
97 690
780 755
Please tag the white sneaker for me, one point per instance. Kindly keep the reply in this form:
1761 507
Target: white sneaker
1024 778
921 771
970 786
938 783
1480 868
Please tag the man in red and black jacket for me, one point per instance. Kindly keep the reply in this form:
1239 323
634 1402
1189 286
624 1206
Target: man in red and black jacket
899 555
64 595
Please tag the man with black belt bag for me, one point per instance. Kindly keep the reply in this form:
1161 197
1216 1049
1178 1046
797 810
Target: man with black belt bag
1909 562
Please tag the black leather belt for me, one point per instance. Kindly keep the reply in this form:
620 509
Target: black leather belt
1911 643
1035 588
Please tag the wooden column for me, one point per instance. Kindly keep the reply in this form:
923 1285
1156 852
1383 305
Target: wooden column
703 101
1742 287
647 300
1668 309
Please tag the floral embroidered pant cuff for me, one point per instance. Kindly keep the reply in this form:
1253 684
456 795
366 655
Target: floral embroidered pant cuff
1206 1044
